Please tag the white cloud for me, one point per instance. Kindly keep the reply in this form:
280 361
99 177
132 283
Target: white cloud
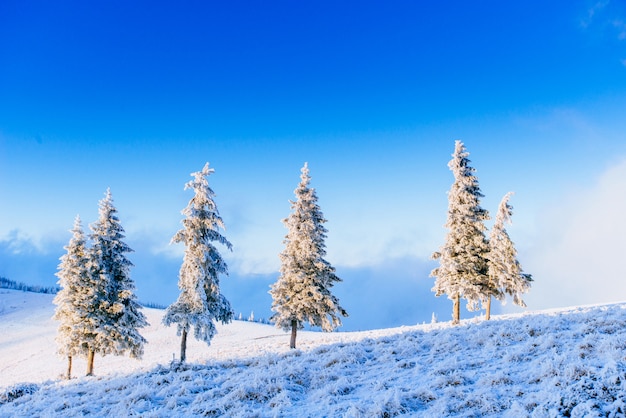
357 246
611 21
353 241
620 25
578 258
255 249
592 12
19 242
29 260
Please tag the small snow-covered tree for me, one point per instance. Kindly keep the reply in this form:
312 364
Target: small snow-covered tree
200 302
505 271
302 292
71 301
463 265
114 313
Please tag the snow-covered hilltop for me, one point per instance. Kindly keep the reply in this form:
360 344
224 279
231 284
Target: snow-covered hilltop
558 363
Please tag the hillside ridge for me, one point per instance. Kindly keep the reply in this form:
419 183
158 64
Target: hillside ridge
560 362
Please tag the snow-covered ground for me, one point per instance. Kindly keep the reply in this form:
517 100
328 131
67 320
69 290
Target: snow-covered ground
558 363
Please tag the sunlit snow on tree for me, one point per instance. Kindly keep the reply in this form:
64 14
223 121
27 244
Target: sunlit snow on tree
73 299
200 302
114 313
504 268
463 264
302 292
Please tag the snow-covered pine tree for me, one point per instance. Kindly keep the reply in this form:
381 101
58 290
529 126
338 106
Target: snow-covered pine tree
505 270
302 292
463 265
200 302
71 300
115 313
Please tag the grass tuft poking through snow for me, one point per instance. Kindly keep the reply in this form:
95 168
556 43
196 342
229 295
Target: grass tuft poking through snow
548 364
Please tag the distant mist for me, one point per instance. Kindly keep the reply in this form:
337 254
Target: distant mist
391 294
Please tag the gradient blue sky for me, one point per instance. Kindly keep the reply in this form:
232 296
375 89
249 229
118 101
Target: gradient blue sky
137 96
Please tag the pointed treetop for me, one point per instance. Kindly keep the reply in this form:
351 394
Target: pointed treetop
200 181
459 149
108 197
305 173
77 230
206 170
505 210
107 200
459 164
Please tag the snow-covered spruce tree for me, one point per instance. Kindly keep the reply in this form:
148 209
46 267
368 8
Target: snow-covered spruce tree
114 312
505 271
71 300
463 264
302 292
200 302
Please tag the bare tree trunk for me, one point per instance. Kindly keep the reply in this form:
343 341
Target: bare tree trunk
456 309
488 314
183 346
90 357
69 368
294 331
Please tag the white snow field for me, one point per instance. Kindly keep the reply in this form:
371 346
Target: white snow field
569 362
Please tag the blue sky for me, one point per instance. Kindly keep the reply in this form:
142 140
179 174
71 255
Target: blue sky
137 96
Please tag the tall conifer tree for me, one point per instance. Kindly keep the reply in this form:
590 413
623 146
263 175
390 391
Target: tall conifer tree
115 313
71 300
302 292
463 265
200 302
505 271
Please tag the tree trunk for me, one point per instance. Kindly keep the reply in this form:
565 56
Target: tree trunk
90 357
456 309
69 368
488 314
294 331
183 346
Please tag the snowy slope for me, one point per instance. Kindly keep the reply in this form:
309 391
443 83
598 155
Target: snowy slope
558 363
